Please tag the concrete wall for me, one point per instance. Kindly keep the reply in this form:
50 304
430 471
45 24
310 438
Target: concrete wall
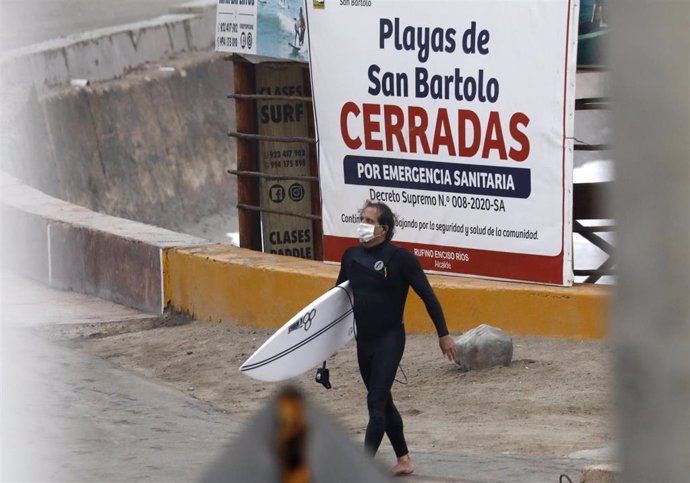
149 268
146 139
151 147
72 248
108 53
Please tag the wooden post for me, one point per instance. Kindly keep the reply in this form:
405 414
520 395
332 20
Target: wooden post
247 159
317 225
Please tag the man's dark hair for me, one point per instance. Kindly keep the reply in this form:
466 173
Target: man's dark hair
386 216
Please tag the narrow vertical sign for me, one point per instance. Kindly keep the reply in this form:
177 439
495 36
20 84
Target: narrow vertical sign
236 26
283 234
269 28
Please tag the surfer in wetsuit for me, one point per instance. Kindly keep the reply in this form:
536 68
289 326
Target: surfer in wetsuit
380 274
301 27
296 41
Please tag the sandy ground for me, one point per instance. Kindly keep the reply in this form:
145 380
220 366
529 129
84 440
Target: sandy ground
554 399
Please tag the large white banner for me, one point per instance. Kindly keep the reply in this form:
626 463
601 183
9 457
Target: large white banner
459 115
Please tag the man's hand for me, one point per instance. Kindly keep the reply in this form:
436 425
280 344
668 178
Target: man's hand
448 347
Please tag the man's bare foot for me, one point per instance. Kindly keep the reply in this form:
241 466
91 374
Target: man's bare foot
404 466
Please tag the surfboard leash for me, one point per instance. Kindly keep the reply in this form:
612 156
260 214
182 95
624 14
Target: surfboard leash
323 376
404 375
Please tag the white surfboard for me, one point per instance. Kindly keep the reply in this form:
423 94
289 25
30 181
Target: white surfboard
307 339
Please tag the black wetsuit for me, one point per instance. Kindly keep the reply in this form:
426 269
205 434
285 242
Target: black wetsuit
380 277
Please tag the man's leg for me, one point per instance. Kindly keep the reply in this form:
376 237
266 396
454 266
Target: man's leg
386 354
394 428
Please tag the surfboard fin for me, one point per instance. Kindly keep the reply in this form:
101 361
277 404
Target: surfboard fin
323 376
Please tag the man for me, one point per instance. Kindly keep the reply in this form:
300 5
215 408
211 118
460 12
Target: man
380 274
302 27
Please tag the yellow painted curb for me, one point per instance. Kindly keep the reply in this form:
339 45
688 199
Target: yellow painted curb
224 283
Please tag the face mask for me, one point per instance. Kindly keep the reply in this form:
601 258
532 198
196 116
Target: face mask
365 232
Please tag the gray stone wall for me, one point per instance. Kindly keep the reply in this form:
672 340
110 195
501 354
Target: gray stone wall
151 146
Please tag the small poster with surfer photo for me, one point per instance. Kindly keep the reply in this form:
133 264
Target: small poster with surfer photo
281 29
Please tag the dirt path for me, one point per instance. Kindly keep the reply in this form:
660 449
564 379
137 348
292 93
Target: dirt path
553 400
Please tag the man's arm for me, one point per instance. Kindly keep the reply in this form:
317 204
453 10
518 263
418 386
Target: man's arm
420 284
448 347
342 276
